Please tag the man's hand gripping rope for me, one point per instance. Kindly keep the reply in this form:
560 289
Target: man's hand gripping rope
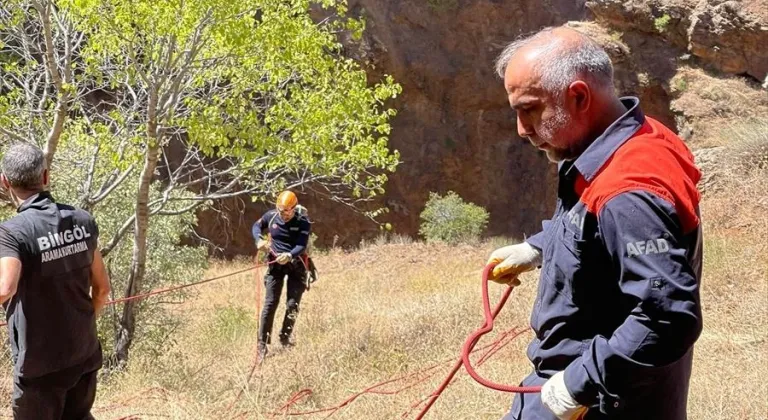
473 339
504 266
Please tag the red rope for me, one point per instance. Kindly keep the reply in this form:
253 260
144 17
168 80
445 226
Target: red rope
255 362
423 375
485 329
255 266
174 288
183 286
411 380
467 349
304 393
506 338
470 343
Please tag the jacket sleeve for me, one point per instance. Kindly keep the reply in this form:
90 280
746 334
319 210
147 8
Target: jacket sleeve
260 225
301 242
537 240
9 246
660 289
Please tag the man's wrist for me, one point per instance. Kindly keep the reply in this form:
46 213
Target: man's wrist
558 399
578 383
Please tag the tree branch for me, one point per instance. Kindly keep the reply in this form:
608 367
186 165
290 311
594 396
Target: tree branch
12 135
169 98
44 10
85 202
179 211
63 91
118 236
106 191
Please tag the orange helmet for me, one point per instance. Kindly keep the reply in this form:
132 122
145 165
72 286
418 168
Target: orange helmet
287 200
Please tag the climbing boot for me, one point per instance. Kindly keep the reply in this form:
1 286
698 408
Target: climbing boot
286 341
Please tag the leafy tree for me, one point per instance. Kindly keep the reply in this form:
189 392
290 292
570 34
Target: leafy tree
152 109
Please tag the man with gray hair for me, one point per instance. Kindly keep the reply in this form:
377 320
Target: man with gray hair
617 311
53 284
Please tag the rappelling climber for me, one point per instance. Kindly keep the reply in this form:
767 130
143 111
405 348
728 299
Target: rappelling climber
286 244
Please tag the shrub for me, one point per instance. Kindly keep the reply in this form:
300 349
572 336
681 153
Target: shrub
449 219
661 23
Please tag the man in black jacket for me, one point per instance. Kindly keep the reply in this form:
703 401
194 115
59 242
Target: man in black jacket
53 284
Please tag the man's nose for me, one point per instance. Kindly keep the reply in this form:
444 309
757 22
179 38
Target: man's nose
524 129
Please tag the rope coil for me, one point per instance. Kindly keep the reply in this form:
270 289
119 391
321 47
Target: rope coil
470 343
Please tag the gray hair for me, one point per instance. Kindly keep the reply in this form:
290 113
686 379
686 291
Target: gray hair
23 165
561 64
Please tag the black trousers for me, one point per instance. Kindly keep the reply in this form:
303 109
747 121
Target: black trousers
65 395
273 283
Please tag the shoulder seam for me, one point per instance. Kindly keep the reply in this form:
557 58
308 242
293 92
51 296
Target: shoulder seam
659 192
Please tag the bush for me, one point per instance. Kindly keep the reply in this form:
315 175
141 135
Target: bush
661 23
449 219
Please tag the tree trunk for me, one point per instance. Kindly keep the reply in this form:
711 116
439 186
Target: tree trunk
64 96
52 141
127 327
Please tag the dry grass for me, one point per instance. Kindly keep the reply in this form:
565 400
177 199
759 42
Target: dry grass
731 364
747 147
395 308
710 103
376 313
391 308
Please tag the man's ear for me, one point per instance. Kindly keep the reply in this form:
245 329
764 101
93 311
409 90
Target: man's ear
45 178
580 95
4 181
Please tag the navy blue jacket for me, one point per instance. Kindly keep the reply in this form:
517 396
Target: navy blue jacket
618 304
291 236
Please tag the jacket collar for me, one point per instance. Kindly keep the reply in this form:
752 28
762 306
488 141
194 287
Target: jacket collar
621 130
38 201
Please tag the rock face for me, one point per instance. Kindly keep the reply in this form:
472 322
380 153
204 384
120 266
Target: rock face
454 128
728 35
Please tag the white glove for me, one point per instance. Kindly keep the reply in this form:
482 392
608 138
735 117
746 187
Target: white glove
512 261
284 258
262 245
558 399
